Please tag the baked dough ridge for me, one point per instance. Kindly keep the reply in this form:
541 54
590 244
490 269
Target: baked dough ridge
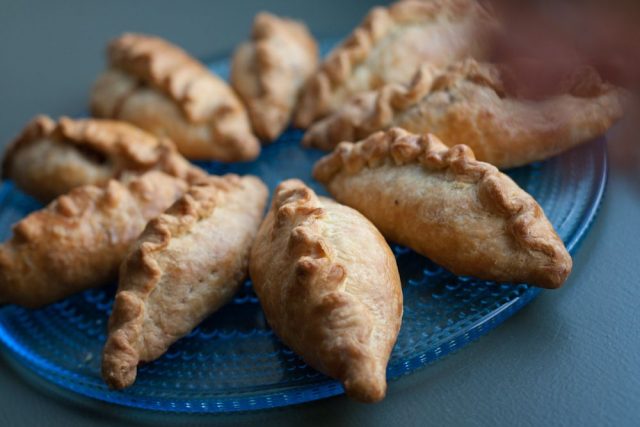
272 40
354 50
166 67
377 110
144 274
78 241
130 148
329 308
399 147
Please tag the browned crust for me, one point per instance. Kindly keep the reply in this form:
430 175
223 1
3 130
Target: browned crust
77 241
341 62
166 67
271 40
400 148
144 273
39 127
265 27
379 110
129 149
298 213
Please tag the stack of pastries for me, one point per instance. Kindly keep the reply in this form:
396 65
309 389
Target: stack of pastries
419 121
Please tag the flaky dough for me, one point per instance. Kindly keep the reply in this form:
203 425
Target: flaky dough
159 87
461 213
469 103
268 71
186 264
78 241
51 158
329 287
389 46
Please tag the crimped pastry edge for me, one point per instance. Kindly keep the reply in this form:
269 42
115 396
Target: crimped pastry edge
197 204
399 147
353 51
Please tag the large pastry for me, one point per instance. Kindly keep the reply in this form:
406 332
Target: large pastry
268 71
477 104
51 158
389 46
186 264
329 287
159 87
78 241
461 213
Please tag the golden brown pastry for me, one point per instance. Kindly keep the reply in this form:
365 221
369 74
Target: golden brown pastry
162 89
49 159
269 71
186 264
78 241
461 213
389 46
329 287
471 103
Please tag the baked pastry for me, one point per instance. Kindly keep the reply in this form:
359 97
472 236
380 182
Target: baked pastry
186 264
473 103
461 213
162 89
389 46
269 71
78 241
329 287
49 159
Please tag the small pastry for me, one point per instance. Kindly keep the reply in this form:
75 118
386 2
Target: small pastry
471 103
269 71
329 287
162 89
49 159
78 241
461 213
186 264
389 46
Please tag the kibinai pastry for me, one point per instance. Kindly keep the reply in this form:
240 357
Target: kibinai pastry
329 287
51 158
389 46
268 71
475 104
162 89
78 241
186 264
461 213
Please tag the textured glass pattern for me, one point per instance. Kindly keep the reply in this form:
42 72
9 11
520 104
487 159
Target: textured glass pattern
232 361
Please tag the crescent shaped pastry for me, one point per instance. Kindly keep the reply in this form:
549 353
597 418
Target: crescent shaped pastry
389 46
461 213
51 158
159 87
186 264
470 103
268 71
329 287
78 241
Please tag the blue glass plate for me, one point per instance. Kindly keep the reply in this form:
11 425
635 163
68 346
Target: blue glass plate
232 361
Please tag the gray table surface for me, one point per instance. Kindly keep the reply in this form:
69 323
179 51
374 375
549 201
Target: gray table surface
572 357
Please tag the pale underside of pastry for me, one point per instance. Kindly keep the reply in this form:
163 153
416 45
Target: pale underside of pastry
329 287
268 71
78 241
162 89
51 158
470 103
186 264
461 213
389 46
